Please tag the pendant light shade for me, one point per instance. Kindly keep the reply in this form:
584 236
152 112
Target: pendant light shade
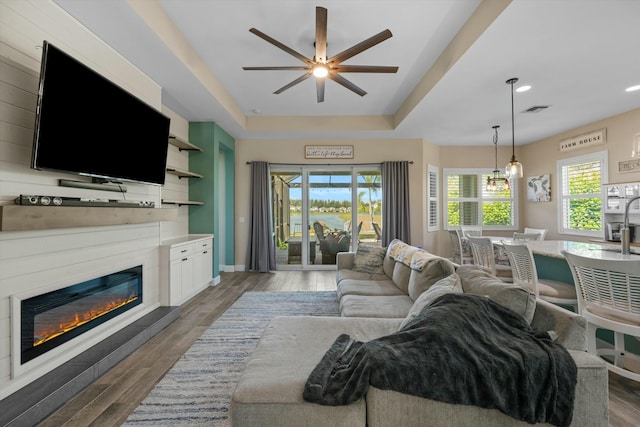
514 167
492 182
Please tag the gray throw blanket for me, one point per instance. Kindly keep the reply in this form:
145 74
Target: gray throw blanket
462 349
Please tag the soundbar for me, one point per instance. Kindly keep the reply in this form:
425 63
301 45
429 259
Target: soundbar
34 200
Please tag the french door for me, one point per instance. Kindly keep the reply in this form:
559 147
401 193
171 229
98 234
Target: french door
320 211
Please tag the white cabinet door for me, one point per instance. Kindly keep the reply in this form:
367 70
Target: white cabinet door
187 268
203 267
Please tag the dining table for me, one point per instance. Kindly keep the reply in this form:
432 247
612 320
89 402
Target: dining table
552 264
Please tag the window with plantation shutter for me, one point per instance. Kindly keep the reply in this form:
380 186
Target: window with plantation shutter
433 208
469 203
580 191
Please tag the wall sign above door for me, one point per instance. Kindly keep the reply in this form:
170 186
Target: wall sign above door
328 151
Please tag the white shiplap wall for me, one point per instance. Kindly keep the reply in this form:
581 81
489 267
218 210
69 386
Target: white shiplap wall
38 261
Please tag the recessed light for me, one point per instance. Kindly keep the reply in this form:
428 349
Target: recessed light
523 88
632 88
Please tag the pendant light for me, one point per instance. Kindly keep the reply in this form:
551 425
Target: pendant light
492 182
514 167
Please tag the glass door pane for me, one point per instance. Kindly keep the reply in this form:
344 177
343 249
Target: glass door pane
286 205
369 208
329 214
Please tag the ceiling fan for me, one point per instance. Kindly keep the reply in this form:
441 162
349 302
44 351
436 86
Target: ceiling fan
322 67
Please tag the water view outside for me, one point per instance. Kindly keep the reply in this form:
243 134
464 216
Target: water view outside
331 228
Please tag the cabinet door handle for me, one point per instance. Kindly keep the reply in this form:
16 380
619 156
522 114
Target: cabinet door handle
205 252
183 251
184 259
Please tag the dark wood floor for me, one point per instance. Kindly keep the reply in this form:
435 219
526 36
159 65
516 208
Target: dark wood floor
116 394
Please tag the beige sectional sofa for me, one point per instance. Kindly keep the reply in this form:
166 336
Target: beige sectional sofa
376 299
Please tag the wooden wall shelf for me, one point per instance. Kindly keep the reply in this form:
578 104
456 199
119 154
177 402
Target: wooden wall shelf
182 173
182 144
181 202
23 218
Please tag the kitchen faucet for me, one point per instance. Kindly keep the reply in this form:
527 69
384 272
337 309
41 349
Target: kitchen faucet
625 233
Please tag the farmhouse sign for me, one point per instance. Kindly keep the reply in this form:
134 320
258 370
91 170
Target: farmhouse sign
585 140
328 151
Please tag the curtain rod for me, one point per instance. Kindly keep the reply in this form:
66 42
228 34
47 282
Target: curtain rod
328 164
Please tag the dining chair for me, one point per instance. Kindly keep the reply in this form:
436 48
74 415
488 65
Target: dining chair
541 231
485 258
526 236
523 265
471 230
609 298
461 250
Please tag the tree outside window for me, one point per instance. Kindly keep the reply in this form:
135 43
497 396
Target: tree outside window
581 179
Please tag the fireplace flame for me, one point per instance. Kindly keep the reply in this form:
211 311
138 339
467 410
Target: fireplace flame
79 319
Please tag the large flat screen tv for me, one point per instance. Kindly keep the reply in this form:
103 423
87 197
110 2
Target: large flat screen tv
87 125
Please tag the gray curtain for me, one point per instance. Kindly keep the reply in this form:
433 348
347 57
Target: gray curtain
262 252
395 202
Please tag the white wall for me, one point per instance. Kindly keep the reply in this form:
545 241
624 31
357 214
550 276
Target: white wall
541 156
38 261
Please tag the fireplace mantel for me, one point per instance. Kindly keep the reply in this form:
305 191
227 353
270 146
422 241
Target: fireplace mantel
23 218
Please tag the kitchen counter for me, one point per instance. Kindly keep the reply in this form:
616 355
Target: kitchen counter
554 248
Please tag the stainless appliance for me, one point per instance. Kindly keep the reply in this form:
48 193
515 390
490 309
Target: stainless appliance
612 231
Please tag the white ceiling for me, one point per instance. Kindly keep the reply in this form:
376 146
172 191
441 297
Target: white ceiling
579 56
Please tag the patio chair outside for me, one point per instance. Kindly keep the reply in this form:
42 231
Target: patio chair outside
378 231
609 298
319 230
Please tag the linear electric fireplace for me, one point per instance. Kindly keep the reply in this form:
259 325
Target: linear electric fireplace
51 319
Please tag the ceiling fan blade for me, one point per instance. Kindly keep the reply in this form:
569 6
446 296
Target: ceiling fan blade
364 69
321 34
360 47
284 47
293 83
346 83
293 67
320 89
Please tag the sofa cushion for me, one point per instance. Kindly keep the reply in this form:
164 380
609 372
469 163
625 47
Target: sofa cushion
395 247
447 285
400 276
479 282
345 274
367 287
269 390
385 306
368 259
388 265
427 269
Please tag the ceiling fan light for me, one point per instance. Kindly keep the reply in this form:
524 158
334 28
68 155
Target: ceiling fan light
320 71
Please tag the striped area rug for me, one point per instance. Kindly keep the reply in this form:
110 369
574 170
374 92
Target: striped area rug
197 389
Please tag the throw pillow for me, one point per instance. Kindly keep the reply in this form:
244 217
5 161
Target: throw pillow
432 269
515 297
450 284
368 259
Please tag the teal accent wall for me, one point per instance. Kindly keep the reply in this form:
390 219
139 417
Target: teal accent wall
217 144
